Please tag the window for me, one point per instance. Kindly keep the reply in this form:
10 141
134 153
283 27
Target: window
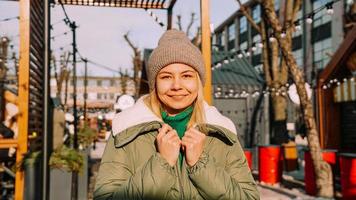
98 82
80 83
231 36
243 24
105 83
112 96
321 32
277 5
256 13
219 39
112 83
257 39
99 96
320 17
91 83
298 55
321 50
243 46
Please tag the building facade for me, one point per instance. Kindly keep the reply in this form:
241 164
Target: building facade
313 45
102 92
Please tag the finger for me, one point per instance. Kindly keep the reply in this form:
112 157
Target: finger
187 145
163 131
170 135
195 131
188 142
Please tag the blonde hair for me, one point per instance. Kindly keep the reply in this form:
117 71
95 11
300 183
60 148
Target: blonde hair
198 114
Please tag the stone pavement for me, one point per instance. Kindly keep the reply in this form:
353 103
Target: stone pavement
268 192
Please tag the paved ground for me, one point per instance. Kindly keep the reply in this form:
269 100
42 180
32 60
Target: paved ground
282 193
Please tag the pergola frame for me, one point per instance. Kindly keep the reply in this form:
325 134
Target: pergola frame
33 91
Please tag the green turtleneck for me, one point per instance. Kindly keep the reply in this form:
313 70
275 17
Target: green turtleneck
178 122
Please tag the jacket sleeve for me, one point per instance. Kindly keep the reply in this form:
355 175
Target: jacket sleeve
118 180
235 181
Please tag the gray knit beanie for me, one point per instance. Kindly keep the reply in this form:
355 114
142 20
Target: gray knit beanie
174 47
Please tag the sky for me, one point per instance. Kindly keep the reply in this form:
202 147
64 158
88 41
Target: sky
101 29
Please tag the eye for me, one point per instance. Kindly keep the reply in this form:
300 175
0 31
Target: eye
187 75
165 77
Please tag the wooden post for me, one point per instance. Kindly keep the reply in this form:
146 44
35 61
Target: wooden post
206 47
23 93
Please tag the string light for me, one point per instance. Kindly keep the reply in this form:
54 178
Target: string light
297 26
308 18
9 19
329 8
272 38
154 17
283 34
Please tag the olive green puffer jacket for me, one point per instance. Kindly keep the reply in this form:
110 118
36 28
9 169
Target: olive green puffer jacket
131 167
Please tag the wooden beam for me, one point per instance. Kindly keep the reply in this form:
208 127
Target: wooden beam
206 47
8 143
321 118
23 92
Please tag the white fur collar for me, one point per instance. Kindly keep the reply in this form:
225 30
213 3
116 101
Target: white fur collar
140 113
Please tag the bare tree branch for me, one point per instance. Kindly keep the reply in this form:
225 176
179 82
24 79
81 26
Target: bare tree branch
179 22
248 17
192 19
126 36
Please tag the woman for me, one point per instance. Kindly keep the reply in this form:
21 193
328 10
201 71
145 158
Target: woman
171 144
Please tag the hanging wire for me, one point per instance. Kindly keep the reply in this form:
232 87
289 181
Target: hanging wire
9 19
155 17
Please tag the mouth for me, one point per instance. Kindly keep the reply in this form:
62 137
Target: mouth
178 97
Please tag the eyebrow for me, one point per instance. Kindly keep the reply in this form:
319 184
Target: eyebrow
189 70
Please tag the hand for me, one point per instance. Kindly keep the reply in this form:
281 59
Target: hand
193 144
168 144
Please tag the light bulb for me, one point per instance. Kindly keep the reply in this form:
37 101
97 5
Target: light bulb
283 34
330 11
309 20
260 45
239 55
272 39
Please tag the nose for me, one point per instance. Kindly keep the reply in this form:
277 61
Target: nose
176 84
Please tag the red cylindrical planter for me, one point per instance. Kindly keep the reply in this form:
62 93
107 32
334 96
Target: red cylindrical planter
348 175
248 155
270 164
329 156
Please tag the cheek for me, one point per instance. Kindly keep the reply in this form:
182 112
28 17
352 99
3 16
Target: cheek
192 87
162 86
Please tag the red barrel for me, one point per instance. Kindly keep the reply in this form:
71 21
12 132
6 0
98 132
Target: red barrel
248 155
348 175
270 164
329 155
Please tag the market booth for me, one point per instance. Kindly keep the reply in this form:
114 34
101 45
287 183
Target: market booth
336 111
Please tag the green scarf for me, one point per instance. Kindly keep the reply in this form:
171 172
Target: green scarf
178 122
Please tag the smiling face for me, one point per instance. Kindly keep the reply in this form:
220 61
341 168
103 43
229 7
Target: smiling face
177 87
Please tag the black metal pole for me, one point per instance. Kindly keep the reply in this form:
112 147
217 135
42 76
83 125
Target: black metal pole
47 136
85 88
75 123
3 70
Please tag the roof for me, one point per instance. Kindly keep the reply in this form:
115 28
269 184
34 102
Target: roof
145 4
233 70
336 64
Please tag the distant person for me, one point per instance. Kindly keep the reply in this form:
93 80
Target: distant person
171 144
